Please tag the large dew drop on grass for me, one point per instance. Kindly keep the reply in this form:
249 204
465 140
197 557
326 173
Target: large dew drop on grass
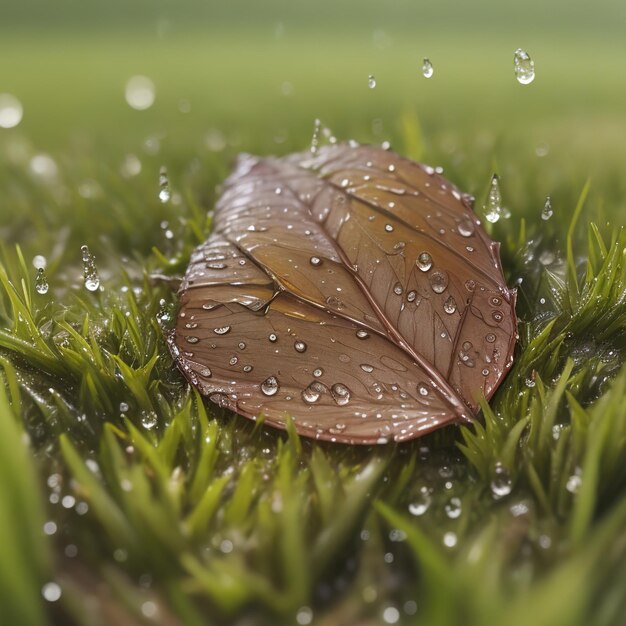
90 272
10 111
427 68
371 81
524 67
493 207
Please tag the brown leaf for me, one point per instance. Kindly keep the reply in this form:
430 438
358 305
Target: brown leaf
352 290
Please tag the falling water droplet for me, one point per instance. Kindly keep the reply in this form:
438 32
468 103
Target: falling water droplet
493 207
41 282
424 261
270 386
524 67
547 211
164 186
10 111
90 272
340 394
315 139
427 68
371 81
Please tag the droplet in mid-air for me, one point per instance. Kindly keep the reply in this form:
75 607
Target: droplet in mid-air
371 81
524 67
10 111
41 282
493 206
139 92
547 211
427 68
90 272
164 186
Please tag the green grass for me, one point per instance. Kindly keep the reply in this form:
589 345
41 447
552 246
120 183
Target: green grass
169 511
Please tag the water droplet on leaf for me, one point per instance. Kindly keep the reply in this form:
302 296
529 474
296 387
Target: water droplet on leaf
270 386
164 186
424 261
371 81
547 211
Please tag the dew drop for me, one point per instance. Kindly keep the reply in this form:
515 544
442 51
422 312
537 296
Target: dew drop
222 330
90 272
470 285
164 186
424 261
41 282
367 368
340 394
420 505
439 281
449 306
192 339
501 483
389 228
397 289
422 389
547 211
411 296
11 111
453 508
51 592
205 372
574 483
493 207
318 372
241 345
371 81
273 337
315 261
524 67
427 68
300 346
313 392
139 93
233 360
466 228
148 419
497 316
247 368
270 386
362 334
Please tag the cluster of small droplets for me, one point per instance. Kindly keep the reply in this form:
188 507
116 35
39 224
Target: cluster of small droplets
164 186
524 67
493 206
90 272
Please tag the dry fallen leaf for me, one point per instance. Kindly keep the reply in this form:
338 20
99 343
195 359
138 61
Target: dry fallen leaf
351 290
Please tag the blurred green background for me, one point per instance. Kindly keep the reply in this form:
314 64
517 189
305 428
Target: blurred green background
261 71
